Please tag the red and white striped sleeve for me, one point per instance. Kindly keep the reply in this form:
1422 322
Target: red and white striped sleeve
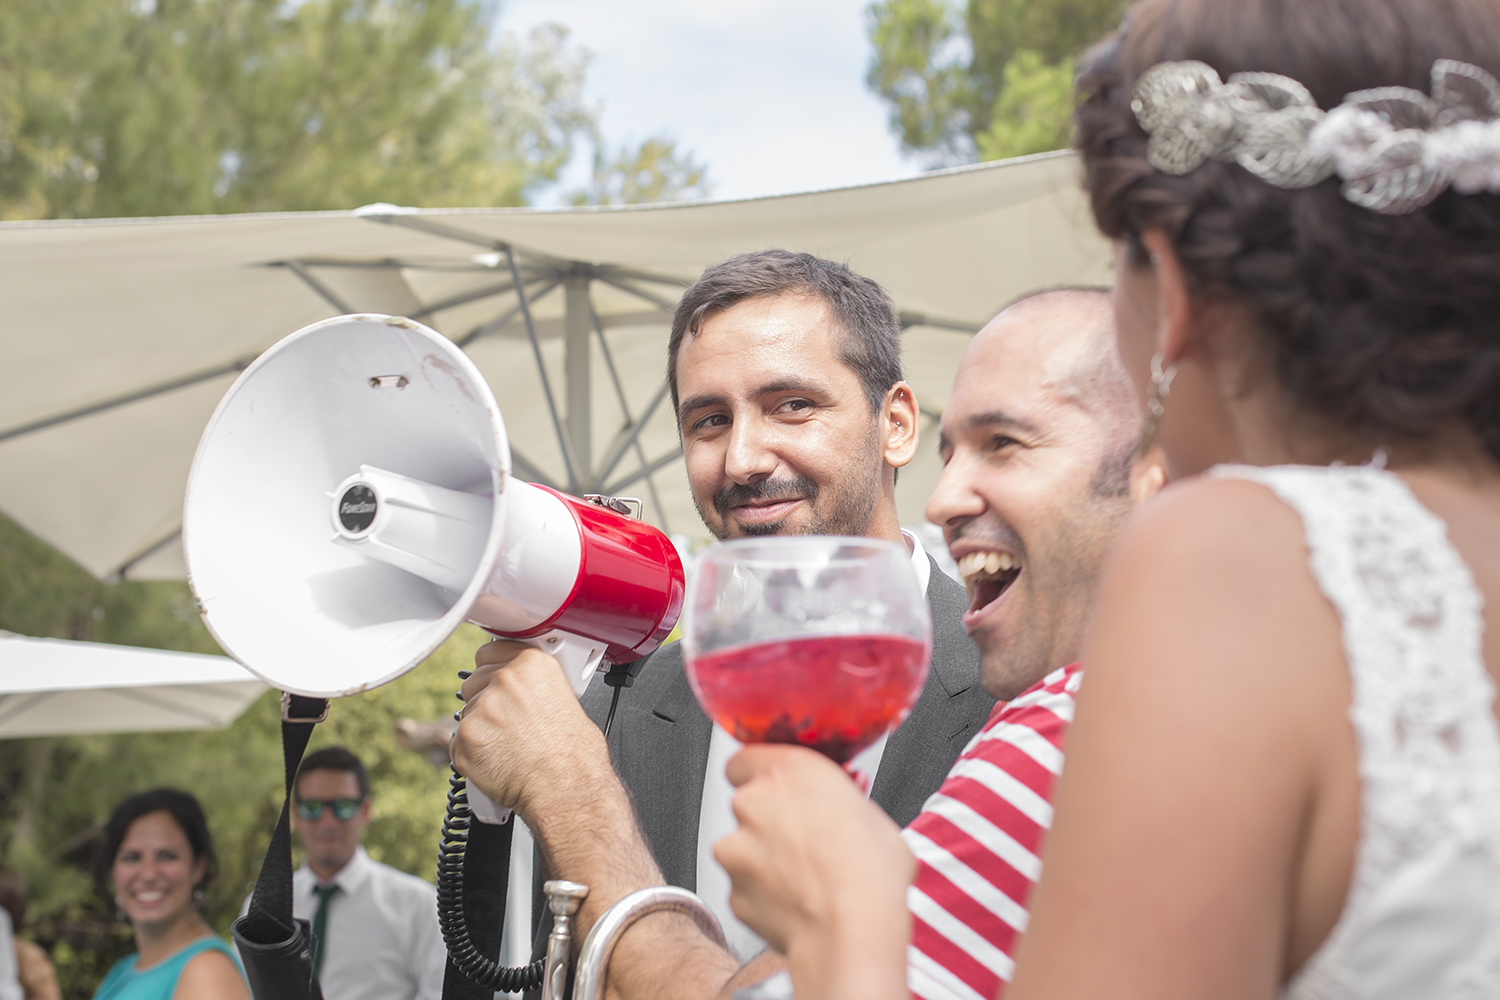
978 846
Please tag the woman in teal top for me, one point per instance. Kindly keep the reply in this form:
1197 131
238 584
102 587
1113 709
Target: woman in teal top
157 856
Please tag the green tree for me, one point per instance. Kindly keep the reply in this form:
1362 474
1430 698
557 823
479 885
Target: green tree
115 108
945 72
656 170
1034 110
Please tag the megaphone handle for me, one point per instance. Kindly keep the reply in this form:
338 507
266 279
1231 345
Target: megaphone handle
580 659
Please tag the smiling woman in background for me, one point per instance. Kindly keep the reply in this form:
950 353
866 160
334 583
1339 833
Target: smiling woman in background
157 856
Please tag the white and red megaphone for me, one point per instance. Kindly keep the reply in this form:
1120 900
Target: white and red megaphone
351 502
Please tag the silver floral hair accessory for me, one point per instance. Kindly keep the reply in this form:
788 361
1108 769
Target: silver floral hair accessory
1395 148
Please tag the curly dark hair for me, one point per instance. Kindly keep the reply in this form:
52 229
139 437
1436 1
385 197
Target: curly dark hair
1384 327
184 810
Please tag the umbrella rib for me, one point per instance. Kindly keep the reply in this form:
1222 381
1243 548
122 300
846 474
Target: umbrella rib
665 305
634 426
135 694
528 470
432 228
615 487
298 268
12 705
909 319
489 327
541 367
130 397
615 270
147 552
633 436
458 300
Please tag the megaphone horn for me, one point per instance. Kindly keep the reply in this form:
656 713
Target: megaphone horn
351 502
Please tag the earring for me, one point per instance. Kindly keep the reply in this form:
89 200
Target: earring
1156 401
198 898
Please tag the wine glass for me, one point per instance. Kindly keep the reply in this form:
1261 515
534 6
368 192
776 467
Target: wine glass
816 640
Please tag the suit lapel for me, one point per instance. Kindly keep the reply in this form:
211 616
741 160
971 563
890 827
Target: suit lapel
918 754
661 752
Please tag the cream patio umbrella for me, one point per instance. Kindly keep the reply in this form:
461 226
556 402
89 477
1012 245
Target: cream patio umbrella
120 336
52 687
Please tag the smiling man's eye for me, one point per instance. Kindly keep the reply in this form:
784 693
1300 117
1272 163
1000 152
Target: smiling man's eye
1000 442
711 421
796 405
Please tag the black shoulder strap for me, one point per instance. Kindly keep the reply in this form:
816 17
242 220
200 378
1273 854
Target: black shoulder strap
275 947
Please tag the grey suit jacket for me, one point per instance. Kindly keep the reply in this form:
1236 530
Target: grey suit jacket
659 742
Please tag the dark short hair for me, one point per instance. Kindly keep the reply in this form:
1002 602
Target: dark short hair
864 316
1384 326
336 759
185 812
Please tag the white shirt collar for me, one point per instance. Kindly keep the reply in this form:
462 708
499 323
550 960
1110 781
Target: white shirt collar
919 561
353 876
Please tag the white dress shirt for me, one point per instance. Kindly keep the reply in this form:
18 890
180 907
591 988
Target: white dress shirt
381 941
716 817
10 985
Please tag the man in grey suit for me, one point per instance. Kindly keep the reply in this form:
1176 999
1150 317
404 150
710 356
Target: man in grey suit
786 378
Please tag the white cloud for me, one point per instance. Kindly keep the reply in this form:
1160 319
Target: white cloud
769 93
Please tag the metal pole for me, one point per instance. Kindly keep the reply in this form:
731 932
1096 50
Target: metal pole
576 363
630 435
541 367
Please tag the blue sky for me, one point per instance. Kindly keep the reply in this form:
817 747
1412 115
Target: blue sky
770 94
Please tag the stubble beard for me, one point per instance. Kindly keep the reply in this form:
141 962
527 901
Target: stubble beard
847 507
1051 601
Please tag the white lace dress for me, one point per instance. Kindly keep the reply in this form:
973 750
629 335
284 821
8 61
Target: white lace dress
1422 918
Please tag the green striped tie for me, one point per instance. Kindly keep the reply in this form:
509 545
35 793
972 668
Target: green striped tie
320 923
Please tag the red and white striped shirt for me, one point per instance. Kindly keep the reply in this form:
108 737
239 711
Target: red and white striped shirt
978 845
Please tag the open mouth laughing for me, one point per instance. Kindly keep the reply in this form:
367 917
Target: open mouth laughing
987 575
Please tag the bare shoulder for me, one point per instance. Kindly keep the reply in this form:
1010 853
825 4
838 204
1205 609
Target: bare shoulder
211 975
1209 589
1238 519
1207 731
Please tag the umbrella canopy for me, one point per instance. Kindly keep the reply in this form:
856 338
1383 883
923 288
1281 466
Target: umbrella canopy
52 687
122 335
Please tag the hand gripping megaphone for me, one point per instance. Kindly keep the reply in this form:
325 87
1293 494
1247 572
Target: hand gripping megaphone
351 502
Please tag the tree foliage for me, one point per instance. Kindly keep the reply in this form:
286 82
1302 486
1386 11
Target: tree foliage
133 107
946 72
656 170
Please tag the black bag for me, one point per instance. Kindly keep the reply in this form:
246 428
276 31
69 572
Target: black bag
276 949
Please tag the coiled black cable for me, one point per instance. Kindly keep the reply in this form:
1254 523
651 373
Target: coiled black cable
450 894
450 875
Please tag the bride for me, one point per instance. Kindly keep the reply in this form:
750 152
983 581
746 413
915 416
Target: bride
1284 774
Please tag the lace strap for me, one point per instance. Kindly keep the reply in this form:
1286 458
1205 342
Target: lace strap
1422 705
1412 634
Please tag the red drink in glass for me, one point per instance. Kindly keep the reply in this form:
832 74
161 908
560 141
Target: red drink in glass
834 693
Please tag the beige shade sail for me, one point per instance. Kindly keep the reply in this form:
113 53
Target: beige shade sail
120 336
54 687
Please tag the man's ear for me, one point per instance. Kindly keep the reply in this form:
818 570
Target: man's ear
899 418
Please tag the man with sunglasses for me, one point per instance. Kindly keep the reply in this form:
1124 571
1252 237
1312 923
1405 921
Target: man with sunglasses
374 927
